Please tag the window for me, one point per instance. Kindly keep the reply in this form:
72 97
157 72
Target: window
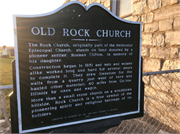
122 8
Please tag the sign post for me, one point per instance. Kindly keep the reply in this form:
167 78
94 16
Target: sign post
76 65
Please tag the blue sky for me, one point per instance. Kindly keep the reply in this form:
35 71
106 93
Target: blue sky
23 7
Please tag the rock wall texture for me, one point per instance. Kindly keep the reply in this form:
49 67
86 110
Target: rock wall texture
161 34
160 51
105 3
160 31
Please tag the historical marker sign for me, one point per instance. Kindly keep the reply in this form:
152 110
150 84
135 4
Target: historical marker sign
75 65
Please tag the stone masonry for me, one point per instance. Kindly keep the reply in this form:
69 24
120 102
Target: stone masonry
160 51
160 30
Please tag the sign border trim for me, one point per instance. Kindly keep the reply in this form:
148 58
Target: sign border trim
18 77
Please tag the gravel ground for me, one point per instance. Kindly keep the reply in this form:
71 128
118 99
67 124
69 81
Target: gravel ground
4 128
146 124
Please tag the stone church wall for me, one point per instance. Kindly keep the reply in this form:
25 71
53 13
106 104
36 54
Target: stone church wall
160 51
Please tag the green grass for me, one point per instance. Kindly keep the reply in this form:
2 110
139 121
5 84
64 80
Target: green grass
6 71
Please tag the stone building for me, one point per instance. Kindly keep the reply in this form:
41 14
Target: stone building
160 51
160 29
